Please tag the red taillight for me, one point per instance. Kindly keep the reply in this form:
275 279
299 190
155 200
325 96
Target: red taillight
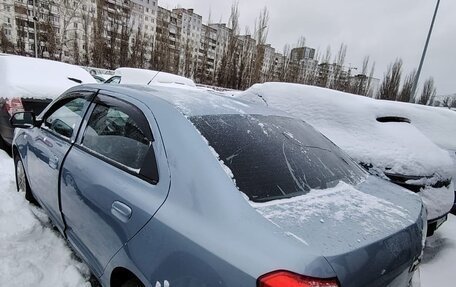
289 279
14 105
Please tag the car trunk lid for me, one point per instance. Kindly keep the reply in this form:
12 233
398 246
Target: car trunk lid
370 234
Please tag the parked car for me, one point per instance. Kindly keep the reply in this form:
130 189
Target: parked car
30 84
453 154
165 186
375 134
437 123
134 76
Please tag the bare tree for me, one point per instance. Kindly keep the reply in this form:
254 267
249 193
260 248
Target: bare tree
246 54
369 89
324 69
407 87
69 14
201 74
389 88
261 35
76 58
99 47
429 92
187 58
227 75
340 78
49 35
86 18
138 50
6 45
21 29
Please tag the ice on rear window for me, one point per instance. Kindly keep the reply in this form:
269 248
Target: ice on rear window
272 157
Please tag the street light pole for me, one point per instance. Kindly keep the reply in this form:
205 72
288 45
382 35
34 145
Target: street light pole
34 28
423 56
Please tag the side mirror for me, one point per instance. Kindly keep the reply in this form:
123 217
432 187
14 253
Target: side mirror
24 120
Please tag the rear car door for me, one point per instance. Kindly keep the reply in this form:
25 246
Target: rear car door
48 146
114 179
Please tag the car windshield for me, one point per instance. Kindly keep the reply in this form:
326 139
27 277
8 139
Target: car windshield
273 157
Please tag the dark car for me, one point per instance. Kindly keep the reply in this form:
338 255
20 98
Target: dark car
160 186
30 84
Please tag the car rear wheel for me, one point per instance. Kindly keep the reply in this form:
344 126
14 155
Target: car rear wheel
132 283
22 181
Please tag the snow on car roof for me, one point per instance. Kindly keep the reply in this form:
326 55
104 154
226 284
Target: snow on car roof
193 101
38 78
143 77
439 124
350 121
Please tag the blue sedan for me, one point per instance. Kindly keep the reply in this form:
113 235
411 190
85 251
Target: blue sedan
163 186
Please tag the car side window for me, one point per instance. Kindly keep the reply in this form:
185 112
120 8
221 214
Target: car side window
66 115
120 132
113 80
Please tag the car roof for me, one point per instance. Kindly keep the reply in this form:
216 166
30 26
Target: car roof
189 101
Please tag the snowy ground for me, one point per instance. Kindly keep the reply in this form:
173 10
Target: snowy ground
33 254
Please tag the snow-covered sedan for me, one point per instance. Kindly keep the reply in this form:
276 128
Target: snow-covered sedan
160 186
30 84
375 134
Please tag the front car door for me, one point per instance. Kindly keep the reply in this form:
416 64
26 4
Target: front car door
114 179
48 146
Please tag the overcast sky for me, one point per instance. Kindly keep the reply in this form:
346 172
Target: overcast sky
384 30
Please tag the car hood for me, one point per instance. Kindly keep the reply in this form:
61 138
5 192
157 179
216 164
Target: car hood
373 228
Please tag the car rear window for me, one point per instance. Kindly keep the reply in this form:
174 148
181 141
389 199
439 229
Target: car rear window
275 157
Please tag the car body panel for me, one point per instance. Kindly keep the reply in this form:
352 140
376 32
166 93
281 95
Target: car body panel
197 228
203 211
94 225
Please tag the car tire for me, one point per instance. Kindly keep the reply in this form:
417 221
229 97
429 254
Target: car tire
5 146
22 183
133 282
2 143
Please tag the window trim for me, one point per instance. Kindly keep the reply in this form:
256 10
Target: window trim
52 108
152 175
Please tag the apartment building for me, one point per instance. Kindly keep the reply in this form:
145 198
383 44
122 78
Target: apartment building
167 41
206 54
190 39
268 61
64 28
300 53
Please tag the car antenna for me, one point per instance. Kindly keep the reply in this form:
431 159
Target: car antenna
155 76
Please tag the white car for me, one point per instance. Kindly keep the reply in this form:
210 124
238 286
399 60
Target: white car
133 76
373 134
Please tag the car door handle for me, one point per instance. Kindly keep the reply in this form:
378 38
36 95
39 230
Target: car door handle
53 161
121 211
